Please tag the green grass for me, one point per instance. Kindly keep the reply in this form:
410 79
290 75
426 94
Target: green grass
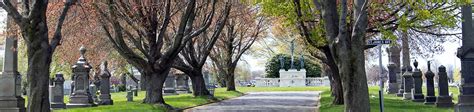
392 103
177 101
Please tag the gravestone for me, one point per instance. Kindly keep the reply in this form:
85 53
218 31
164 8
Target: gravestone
135 91
170 85
392 79
67 87
105 98
10 80
130 95
182 86
56 92
93 91
408 84
430 92
466 54
402 85
81 97
443 99
417 94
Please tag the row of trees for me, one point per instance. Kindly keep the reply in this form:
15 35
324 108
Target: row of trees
337 31
150 35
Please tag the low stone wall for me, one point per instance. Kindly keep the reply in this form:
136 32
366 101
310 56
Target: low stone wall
275 82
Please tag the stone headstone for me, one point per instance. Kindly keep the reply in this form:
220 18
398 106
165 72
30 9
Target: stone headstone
466 54
430 92
402 86
170 85
10 80
130 96
182 85
135 91
408 83
392 79
81 97
56 92
443 99
417 92
67 87
105 98
93 92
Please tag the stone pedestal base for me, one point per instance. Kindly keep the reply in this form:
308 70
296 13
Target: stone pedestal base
182 91
418 97
444 101
169 91
400 93
12 104
465 104
105 99
58 105
407 96
392 88
292 78
80 101
430 100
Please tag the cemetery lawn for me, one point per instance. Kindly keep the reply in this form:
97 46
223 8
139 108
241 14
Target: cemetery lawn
178 101
392 103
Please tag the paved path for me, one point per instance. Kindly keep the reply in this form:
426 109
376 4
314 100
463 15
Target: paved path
266 102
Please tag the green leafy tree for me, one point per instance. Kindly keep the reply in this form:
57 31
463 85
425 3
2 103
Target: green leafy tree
272 67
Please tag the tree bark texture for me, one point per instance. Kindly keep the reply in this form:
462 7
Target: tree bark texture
199 85
154 90
347 45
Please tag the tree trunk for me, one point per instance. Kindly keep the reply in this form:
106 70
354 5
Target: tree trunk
335 78
199 85
154 90
230 81
351 53
142 82
39 58
336 85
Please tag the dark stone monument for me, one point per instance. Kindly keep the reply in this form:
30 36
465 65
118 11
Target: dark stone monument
170 85
392 79
105 98
417 93
443 99
93 91
282 62
130 95
81 97
466 54
430 92
56 92
402 85
135 91
408 84
10 80
182 86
